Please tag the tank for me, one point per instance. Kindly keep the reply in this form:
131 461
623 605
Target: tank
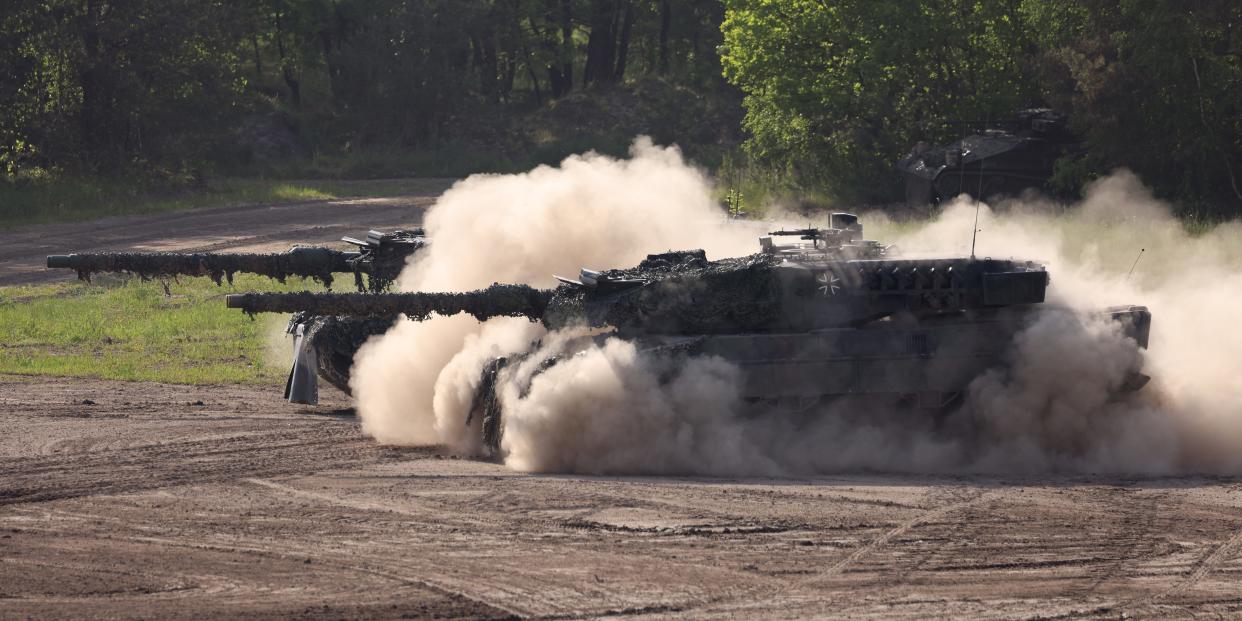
1002 160
805 327
324 346
379 258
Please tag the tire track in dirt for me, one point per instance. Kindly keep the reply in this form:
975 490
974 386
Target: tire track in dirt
1220 554
957 500
40 479
884 538
423 517
970 520
1133 539
509 598
388 571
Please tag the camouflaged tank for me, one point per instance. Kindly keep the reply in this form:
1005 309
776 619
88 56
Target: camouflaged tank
324 346
806 323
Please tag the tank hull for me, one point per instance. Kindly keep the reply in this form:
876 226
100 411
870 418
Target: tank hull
931 361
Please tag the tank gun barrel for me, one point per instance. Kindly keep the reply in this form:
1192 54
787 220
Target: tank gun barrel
809 234
380 256
495 301
312 262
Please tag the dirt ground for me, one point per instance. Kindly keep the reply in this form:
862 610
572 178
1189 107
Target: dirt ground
140 500
130 500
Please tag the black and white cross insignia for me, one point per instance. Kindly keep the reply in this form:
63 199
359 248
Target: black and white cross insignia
829 283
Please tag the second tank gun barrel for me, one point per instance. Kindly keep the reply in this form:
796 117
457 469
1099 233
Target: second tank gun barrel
312 262
495 301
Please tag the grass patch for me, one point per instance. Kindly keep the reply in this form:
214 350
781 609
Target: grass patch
44 201
126 329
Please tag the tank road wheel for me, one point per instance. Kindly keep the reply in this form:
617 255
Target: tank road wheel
335 340
334 365
486 404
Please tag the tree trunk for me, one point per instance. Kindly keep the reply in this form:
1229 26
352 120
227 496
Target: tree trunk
567 47
623 46
601 44
258 59
491 67
507 76
666 23
286 66
334 71
534 79
96 132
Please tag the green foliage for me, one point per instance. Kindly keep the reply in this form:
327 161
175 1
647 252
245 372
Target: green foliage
125 329
170 87
1152 86
837 91
98 85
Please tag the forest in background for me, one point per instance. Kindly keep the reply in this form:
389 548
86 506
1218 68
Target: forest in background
815 97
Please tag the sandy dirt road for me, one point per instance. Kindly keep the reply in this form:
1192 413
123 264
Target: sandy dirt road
138 500
273 228
175 502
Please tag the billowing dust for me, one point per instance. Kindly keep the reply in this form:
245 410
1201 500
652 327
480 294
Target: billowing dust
611 409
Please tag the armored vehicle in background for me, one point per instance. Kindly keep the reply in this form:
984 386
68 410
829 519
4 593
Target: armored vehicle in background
323 345
804 327
1002 160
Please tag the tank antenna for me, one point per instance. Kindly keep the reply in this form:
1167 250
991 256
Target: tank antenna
979 192
1136 260
974 234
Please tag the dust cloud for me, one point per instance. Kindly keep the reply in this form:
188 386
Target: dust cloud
1056 407
605 407
590 211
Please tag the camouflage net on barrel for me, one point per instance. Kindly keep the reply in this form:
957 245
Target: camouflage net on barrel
676 292
317 263
494 301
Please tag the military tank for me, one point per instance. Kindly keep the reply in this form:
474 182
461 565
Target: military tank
805 325
324 346
1002 160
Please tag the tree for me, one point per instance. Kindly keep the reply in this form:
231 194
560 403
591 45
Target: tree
1152 86
98 84
838 91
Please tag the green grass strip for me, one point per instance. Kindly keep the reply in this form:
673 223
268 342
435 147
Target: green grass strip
126 329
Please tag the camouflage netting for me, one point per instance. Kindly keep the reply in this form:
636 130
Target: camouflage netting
677 292
316 263
494 301
336 339
383 263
